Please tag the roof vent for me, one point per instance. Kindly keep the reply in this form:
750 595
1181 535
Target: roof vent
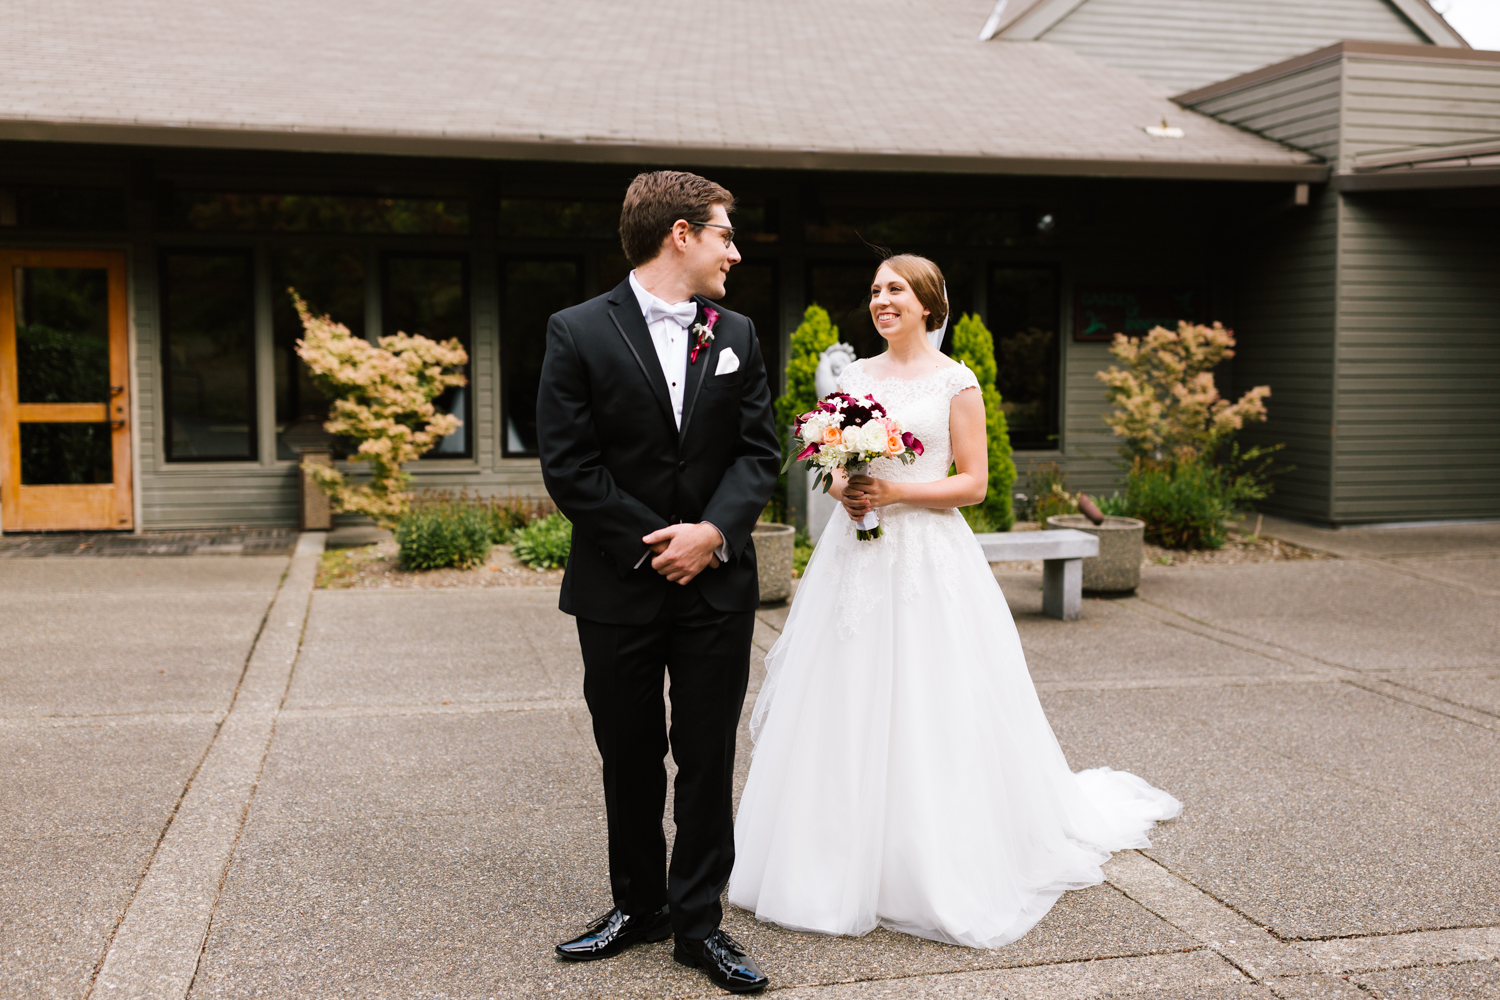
1165 131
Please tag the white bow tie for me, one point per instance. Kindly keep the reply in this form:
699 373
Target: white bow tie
683 312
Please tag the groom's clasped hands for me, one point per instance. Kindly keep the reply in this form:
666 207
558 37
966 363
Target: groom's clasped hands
680 552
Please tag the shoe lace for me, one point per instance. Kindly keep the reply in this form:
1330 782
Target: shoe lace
729 943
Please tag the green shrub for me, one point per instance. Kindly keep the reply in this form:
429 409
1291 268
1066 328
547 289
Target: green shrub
544 544
435 533
1117 504
815 334
802 550
975 346
1049 492
1182 503
978 519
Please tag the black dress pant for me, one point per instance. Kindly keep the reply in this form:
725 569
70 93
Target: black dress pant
706 654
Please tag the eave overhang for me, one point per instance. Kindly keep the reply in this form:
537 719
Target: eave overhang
602 151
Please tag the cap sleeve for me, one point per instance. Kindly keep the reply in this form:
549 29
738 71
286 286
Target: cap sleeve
959 379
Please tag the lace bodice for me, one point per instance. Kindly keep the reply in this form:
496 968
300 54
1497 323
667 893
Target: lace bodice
921 405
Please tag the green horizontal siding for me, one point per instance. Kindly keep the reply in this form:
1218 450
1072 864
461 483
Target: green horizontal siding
1302 109
1418 370
1286 341
1398 104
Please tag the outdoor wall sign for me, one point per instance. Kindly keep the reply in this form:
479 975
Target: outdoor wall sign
1101 311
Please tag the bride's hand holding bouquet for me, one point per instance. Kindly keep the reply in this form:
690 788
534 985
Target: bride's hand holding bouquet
847 433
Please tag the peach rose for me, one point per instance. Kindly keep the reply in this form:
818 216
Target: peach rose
832 435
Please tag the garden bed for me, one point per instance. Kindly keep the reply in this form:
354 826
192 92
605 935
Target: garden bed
1238 550
374 567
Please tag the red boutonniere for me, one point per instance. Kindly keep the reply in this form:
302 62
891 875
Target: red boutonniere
704 332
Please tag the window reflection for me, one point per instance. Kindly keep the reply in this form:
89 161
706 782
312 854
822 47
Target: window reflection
429 295
533 290
216 211
751 289
1024 319
62 335
208 356
547 218
332 282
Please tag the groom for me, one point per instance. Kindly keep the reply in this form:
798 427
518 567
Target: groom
657 441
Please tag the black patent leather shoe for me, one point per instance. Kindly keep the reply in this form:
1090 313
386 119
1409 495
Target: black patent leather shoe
613 933
723 960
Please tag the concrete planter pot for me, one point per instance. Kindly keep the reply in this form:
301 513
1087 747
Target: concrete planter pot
773 558
1117 568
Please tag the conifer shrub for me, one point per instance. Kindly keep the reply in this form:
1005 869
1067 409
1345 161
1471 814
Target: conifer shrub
975 347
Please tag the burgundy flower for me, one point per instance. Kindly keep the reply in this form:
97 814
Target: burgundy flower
910 440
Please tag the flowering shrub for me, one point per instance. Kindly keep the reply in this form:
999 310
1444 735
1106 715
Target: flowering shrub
382 398
1175 425
1167 407
975 347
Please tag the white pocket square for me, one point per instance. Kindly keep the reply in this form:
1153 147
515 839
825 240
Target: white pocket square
728 362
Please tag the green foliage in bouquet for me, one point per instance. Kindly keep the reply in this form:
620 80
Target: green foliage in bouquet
544 544
435 532
975 347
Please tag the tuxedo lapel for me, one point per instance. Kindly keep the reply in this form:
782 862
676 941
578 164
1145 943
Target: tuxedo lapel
625 314
706 360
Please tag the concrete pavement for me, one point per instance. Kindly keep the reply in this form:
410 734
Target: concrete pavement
423 816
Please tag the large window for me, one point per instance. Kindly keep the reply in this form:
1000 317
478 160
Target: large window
208 355
532 291
332 282
428 294
1024 319
218 211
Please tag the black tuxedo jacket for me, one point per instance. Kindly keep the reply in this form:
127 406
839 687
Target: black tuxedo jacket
616 464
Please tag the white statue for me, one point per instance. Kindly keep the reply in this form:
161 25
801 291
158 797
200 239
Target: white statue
831 364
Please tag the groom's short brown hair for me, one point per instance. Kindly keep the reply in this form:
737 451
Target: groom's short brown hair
654 203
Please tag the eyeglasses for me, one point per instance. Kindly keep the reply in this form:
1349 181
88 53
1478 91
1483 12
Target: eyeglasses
728 231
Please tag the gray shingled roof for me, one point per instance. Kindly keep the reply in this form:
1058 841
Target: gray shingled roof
862 84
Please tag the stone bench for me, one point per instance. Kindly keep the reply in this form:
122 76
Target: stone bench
1062 554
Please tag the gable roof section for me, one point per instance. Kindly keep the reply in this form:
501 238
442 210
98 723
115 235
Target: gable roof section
1385 116
775 83
1182 44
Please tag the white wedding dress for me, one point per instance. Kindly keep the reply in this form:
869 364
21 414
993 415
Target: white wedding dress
904 773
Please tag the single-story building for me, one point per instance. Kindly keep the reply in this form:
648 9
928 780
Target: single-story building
455 169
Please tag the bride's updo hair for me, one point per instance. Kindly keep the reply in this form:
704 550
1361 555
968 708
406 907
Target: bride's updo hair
926 281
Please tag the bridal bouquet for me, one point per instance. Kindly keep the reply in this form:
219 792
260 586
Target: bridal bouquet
848 433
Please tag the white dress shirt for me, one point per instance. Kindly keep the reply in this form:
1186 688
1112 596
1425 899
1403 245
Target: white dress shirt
669 327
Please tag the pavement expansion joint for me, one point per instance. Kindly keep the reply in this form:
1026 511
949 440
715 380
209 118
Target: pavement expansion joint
1261 955
113 719
461 708
155 949
1315 669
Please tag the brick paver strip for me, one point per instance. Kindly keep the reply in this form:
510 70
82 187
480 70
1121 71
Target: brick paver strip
155 951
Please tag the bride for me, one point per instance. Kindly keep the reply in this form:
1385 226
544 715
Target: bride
904 773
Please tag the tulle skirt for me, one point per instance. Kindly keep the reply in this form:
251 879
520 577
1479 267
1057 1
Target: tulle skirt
904 772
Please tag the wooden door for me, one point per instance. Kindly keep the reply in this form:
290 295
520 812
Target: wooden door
64 391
